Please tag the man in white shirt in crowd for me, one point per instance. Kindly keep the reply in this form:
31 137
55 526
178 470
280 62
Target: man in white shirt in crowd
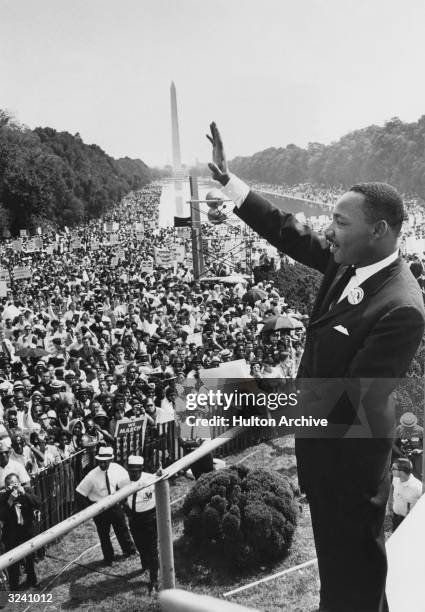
141 510
9 466
100 482
407 490
21 453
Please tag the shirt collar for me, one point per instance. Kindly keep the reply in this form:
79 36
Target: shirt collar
365 272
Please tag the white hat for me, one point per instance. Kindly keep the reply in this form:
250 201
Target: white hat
105 453
135 460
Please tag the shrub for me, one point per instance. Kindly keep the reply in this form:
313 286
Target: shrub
251 514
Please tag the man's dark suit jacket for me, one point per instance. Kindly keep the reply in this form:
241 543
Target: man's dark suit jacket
347 480
14 534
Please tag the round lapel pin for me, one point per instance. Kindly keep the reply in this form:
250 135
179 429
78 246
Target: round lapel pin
355 296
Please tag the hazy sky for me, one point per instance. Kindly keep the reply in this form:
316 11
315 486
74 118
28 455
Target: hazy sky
270 72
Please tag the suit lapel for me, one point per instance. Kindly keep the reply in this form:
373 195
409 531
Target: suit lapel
327 281
370 286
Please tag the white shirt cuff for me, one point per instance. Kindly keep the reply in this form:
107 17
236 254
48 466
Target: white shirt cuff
236 190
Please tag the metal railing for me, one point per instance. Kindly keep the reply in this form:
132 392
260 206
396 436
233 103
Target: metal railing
177 600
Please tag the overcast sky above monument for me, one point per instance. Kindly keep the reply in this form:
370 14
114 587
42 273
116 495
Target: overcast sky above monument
269 73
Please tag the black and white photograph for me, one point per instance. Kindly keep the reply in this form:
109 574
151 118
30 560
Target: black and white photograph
212 289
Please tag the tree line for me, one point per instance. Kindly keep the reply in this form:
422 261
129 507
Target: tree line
394 153
54 177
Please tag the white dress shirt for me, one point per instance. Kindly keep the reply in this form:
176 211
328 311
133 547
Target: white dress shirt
13 467
145 499
93 486
406 494
366 272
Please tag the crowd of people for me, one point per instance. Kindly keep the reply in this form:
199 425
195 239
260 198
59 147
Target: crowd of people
101 332
321 194
98 327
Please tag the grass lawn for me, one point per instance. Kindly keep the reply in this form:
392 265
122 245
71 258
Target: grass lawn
86 585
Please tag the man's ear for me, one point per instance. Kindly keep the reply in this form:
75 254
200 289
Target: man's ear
380 229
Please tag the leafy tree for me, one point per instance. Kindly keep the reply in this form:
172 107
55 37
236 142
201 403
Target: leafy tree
53 176
394 153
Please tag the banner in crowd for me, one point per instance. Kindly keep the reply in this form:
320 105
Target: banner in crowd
165 257
75 243
21 272
180 253
147 267
140 236
23 233
4 275
34 244
130 431
110 226
125 427
94 245
3 288
17 245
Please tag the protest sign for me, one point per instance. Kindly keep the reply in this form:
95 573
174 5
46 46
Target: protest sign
21 272
33 245
4 275
124 427
180 253
75 243
147 267
16 245
165 257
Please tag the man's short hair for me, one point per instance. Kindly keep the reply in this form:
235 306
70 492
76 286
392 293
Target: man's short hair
381 202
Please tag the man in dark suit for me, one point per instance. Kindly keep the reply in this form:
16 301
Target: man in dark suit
365 327
17 507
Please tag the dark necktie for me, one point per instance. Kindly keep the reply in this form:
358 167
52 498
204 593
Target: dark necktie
133 503
336 288
108 484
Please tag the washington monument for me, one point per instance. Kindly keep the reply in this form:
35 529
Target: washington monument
177 163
